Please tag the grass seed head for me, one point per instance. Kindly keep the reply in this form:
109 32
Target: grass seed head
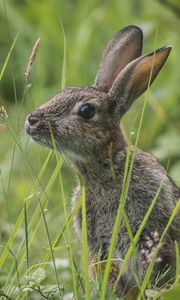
3 114
32 59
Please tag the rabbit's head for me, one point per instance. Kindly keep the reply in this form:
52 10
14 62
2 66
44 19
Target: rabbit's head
83 121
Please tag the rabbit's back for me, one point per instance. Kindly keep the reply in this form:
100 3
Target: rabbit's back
148 180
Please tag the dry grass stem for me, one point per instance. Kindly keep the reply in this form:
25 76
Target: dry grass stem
32 59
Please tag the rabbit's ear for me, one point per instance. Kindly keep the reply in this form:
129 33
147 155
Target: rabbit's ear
135 78
124 47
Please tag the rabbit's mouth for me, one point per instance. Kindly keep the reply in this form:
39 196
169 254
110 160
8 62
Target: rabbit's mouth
33 132
43 142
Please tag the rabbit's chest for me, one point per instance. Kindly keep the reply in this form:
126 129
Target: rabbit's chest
101 209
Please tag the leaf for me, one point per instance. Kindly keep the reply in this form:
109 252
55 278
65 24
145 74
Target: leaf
39 275
36 277
27 289
172 294
29 280
51 289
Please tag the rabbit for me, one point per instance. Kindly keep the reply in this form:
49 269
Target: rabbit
85 124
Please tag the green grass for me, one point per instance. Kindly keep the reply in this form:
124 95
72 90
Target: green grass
36 185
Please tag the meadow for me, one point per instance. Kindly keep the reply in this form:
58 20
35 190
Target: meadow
40 256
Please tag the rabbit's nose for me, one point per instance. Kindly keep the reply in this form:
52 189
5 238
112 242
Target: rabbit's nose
31 124
32 119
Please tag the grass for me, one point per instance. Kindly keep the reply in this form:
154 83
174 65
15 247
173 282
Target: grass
8 56
85 244
36 222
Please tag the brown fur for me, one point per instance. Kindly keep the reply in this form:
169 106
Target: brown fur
88 143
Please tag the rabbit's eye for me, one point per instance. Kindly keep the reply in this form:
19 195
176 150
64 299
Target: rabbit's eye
87 111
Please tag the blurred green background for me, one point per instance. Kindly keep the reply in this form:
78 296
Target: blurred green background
88 27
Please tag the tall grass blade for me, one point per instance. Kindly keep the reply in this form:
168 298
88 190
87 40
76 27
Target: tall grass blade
177 262
20 218
8 56
17 268
116 228
51 249
35 219
63 78
26 235
26 241
85 243
59 235
66 222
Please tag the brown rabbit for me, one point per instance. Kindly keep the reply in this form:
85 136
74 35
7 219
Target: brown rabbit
85 126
